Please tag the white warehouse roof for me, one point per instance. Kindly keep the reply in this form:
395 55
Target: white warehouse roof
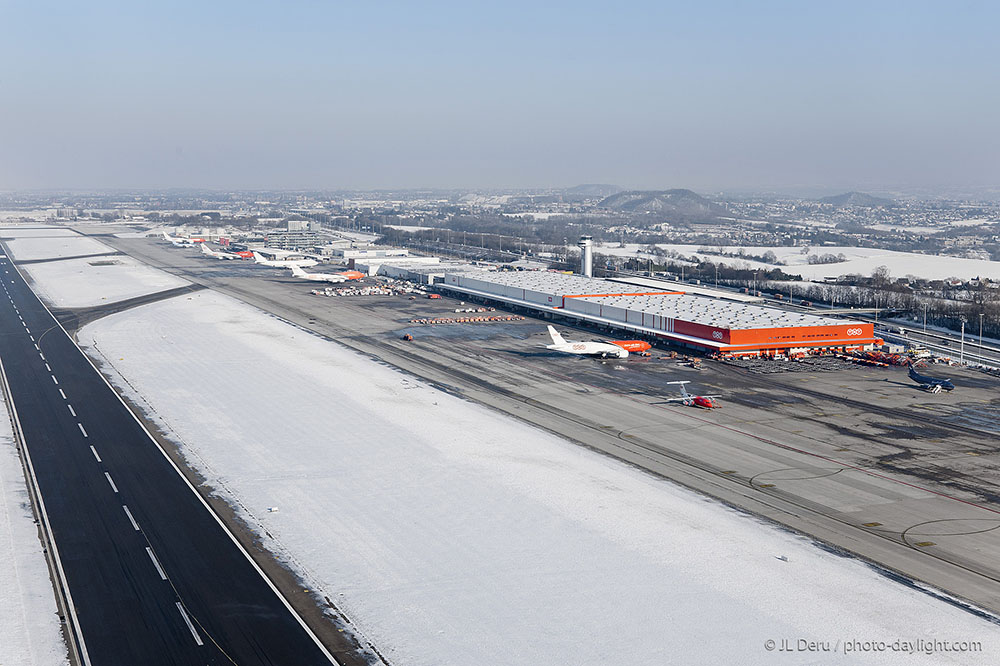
685 307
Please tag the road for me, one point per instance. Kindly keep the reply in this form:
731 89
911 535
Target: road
153 575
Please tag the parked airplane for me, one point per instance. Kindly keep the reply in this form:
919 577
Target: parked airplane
931 384
602 349
326 277
225 255
182 242
705 401
283 263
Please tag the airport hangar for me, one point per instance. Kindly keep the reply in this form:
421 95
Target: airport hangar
728 326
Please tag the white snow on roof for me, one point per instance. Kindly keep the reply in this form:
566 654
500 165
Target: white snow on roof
658 284
693 308
453 535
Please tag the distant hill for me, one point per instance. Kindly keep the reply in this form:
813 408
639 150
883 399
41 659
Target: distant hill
680 203
858 199
592 190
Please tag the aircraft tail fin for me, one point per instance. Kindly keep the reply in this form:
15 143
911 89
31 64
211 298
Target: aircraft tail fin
684 392
557 339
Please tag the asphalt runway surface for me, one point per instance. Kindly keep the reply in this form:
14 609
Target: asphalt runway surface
858 458
154 577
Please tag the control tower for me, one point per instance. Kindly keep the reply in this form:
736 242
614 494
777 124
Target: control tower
586 246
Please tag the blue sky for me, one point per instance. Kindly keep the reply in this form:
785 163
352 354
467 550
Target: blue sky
723 95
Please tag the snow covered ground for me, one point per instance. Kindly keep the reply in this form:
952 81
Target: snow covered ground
452 535
53 246
30 633
859 260
36 232
75 283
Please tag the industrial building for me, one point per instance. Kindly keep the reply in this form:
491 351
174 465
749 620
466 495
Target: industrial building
693 320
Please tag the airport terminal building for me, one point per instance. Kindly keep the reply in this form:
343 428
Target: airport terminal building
699 321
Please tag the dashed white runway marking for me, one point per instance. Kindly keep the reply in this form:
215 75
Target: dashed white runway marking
94 451
54 379
80 425
128 513
187 621
159 569
71 410
63 395
113 486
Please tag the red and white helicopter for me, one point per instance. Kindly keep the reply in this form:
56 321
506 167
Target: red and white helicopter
703 401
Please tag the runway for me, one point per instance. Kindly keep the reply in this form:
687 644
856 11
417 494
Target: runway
154 577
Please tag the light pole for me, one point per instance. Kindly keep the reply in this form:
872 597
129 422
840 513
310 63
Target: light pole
981 333
717 276
925 318
961 353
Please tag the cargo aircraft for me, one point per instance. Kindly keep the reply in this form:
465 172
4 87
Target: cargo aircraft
703 401
283 263
614 349
182 242
326 277
931 384
225 255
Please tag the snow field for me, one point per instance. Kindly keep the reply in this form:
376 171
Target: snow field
30 633
74 283
29 248
859 260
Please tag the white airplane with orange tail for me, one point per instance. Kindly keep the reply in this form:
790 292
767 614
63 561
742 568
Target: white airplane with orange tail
225 255
326 277
613 349
182 242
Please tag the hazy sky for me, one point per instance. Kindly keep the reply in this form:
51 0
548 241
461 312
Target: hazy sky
657 94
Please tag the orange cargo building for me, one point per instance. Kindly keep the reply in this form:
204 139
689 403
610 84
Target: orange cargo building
697 321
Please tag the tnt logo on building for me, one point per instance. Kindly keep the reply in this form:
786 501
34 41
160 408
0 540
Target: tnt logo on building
855 331
717 335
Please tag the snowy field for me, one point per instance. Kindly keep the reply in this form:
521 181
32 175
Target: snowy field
74 283
859 260
452 535
30 633
54 246
36 232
